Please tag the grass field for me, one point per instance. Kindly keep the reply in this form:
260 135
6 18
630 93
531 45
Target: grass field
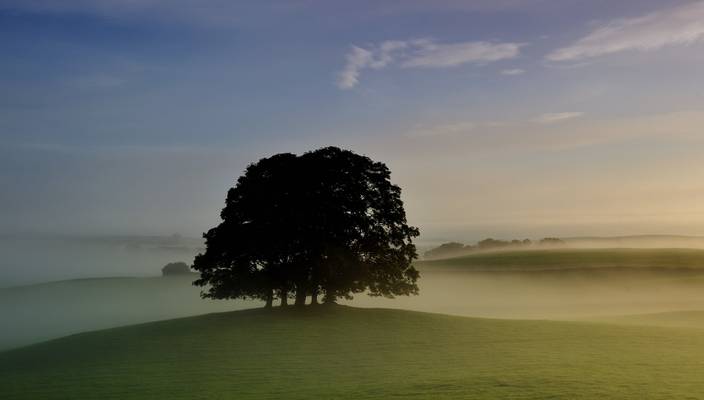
562 259
676 319
349 353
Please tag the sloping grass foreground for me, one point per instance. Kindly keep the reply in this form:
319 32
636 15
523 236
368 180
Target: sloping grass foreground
675 319
348 353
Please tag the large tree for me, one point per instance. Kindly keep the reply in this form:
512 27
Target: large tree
327 223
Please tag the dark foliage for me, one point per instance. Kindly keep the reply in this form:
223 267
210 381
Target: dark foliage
455 249
176 268
327 223
551 241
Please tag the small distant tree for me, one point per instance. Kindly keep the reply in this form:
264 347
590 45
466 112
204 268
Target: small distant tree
488 244
445 250
552 241
327 223
176 268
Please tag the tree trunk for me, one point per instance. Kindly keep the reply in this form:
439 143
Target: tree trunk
269 299
284 298
301 296
314 297
329 298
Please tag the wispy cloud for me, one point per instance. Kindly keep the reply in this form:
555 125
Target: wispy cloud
421 53
202 13
480 137
461 128
457 128
223 12
426 53
551 118
357 59
99 81
464 128
514 71
676 26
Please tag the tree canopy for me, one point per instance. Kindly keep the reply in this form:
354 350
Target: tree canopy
176 268
326 223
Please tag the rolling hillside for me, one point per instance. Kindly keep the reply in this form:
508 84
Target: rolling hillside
562 259
348 353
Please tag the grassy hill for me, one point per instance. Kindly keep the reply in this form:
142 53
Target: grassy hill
637 241
560 259
348 353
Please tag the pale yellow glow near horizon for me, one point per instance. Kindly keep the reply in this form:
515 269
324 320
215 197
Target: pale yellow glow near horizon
641 174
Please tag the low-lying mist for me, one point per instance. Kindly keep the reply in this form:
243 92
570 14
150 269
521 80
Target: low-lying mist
568 284
31 259
638 241
45 311
556 294
40 312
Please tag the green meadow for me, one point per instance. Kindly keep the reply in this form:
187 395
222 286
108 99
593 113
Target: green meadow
348 353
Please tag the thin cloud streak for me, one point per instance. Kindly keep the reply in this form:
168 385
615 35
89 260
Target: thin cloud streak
471 137
513 72
483 127
421 53
428 54
680 25
551 118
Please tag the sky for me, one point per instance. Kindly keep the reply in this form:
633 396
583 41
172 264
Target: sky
500 118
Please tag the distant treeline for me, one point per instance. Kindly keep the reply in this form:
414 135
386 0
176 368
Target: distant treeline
453 249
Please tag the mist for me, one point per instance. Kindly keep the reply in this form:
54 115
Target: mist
34 259
638 241
37 312
564 294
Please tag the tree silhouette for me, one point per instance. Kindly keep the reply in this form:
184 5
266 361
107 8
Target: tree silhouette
176 268
327 223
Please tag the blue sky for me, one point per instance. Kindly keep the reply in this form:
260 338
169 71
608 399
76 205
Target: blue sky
501 117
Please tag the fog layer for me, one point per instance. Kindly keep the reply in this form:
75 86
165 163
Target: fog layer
39 312
562 294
